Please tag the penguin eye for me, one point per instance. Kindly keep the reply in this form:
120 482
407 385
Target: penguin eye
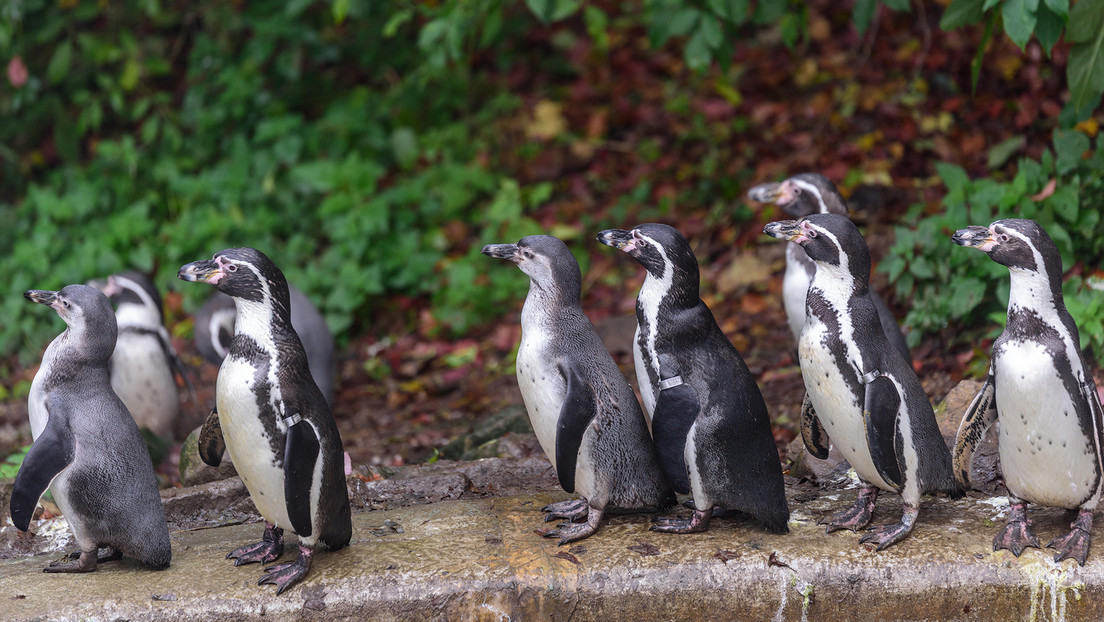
65 303
812 233
797 191
232 268
1003 237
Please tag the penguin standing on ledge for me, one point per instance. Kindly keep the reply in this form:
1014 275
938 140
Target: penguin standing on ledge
709 422
583 411
274 419
1042 392
87 448
861 392
801 195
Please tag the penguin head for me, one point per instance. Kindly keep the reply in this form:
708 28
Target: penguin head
828 239
657 247
546 260
133 295
243 274
86 311
1018 243
801 195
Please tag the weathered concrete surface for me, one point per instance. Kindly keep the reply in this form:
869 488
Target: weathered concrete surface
475 556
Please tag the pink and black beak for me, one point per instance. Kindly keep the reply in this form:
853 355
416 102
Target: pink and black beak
205 271
788 230
509 252
42 297
977 237
618 238
780 193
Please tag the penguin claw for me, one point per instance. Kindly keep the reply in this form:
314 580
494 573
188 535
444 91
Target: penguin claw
288 574
1017 534
1075 544
695 523
268 549
855 517
886 535
571 532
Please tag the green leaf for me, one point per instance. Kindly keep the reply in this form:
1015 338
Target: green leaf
340 9
1048 28
683 22
1058 7
548 11
961 13
1069 146
1085 71
1065 203
975 64
697 52
58 68
395 22
900 6
953 176
1002 151
734 12
990 4
862 14
712 32
404 146
1019 20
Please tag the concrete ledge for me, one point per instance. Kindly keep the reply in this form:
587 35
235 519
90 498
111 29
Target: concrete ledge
478 558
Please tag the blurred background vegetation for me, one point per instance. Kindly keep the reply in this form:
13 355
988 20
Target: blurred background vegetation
373 147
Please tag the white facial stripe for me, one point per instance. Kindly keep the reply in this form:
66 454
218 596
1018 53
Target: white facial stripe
836 284
652 294
130 284
216 321
810 188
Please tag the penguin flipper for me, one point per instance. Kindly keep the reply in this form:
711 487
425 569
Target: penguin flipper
676 410
211 443
577 412
301 450
880 409
48 456
812 432
979 415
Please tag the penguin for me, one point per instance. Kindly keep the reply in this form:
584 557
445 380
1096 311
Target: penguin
801 195
1040 390
214 330
583 410
860 392
274 420
144 363
87 449
709 422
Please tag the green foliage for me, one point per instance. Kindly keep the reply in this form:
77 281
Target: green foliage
948 286
9 468
1083 24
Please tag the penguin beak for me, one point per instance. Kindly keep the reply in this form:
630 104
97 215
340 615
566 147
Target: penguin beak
502 251
789 230
108 286
41 296
618 238
781 193
977 237
205 271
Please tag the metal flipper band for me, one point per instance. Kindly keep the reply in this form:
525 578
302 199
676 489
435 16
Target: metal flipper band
670 383
870 376
291 420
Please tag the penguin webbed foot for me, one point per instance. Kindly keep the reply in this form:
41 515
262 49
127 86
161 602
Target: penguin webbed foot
573 510
1017 534
718 511
887 535
695 523
855 517
572 532
1075 544
286 575
86 562
267 550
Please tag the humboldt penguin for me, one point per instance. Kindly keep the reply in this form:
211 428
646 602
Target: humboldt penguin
801 195
275 422
87 449
861 393
710 425
583 410
214 330
1040 389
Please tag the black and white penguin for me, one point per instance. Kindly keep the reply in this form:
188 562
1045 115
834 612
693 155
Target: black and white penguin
87 449
858 387
214 330
582 408
1042 392
801 195
144 362
274 419
709 422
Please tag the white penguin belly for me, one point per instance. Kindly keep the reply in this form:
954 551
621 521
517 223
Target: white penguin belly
647 392
542 389
835 405
795 286
1045 456
141 377
247 441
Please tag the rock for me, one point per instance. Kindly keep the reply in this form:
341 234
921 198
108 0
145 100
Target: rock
832 472
222 502
985 474
510 419
194 471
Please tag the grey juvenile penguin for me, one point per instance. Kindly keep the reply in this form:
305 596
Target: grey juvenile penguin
87 448
709 422
860 388
144 362
801 195
214 330
1042 392
583 410
274 419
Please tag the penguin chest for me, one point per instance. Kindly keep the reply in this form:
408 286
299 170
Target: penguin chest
141 377
543 388
647 391
836 405
248 438
1045 456
795 286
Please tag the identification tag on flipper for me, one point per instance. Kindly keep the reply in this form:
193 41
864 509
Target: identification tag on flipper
676 410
